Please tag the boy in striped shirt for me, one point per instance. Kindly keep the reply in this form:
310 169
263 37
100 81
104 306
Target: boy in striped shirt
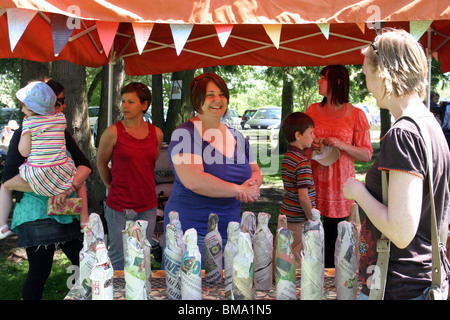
298 182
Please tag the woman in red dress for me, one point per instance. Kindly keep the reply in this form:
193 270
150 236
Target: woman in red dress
345 127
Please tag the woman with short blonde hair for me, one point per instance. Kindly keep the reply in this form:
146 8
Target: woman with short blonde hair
396 74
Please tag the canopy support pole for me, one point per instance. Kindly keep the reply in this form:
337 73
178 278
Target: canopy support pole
110 86
110 93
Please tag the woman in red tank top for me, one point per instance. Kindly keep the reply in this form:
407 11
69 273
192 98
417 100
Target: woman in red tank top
133 145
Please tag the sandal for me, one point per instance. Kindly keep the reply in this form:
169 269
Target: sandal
5 234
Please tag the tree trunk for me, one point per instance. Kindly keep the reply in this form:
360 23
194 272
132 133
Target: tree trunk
73 78
180 109
32 70
158 103
118 78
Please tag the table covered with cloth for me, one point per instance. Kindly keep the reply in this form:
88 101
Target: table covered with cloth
210 291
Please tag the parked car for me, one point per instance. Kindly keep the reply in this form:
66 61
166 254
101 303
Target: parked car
265 118
93 115
372 114
232 118
247 115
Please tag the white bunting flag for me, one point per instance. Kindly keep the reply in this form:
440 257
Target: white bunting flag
325 28
18 20
142 32
180 34
418 28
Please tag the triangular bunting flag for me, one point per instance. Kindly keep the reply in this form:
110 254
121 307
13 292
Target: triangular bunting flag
274 32
418 28
60 32
107 31
142 32
2 11
180 34
18 20
325 28
362 26
223 32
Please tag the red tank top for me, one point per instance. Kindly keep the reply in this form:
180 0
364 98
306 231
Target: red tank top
133 171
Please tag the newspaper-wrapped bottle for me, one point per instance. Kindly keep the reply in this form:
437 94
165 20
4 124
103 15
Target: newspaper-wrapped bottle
173 254
102 274
191 268
213 251
356 222
134 271
346 277
230 251
92 232
146 246
175 220
285 280
312 279
282 223
248 223
129 224
263 250
242 282
87 262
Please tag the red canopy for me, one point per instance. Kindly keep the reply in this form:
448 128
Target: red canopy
184 34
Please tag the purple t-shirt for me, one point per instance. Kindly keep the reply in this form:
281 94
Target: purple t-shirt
193 208
403 148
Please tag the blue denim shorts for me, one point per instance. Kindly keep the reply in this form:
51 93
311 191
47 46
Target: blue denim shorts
47 231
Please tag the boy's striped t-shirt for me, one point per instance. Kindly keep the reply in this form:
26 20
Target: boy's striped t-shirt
296 173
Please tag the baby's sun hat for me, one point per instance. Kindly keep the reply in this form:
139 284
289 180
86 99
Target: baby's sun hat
38 97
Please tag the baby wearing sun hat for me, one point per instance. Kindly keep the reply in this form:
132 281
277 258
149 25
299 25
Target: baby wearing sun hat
48 169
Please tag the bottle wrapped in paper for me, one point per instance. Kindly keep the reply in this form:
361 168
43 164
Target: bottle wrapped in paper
285 280
191 268
242 281
129 224
172 255
229 253
248 223
146 246
134 271
356 222
282 223
213 251
102 274
95 222
93 232
263 251
346 277
175 220
312 278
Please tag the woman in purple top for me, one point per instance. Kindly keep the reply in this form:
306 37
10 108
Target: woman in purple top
214 166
